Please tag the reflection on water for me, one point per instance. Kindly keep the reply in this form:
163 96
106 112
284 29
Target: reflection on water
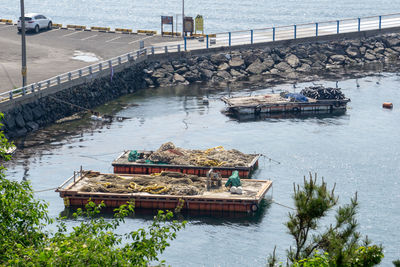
319 116
195 217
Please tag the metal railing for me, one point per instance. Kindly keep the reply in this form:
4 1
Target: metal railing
224 39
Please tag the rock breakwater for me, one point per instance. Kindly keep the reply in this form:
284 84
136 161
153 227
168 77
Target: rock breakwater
301 62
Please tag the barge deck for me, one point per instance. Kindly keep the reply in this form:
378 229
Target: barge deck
74 194
123 166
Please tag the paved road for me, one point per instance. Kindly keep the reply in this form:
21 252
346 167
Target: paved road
50 53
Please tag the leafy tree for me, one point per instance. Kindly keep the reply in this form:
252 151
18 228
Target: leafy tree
396 263
24 241
340 242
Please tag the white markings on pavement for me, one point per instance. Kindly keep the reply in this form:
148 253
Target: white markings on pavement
71 33
141 39
89 37
54 30
113 39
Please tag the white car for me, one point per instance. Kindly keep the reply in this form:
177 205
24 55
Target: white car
35 22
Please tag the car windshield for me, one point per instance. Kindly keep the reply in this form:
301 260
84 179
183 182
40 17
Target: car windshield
26 18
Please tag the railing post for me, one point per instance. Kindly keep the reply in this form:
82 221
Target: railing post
11 95
179 48
359 24
119 61
295 31
90 70
137 54
23 90
48 83
152 50
184 38
380 22
337 26
273 34
166 49
39 85
207 40
110 64
32 88
58 80
316 29
80 73
230 38
69 76
251 34
100 66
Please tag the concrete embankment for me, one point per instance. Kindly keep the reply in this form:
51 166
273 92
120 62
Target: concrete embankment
297 62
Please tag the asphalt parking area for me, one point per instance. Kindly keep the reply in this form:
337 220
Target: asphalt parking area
52 52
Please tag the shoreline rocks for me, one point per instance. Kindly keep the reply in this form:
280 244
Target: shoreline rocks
301 62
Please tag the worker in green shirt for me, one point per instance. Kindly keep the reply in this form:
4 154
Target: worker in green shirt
234 183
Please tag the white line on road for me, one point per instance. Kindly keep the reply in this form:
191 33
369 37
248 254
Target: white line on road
113 39
89 37
140 39
54 30
71 33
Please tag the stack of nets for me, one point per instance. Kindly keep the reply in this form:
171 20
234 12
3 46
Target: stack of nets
171 183
322 93
214 157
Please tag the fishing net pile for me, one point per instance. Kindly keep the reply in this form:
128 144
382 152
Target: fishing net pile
165 183
217 156
322 93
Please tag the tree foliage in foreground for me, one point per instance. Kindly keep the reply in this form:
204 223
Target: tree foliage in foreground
93 242
338 245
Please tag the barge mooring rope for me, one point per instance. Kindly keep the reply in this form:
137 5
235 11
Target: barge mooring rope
44 190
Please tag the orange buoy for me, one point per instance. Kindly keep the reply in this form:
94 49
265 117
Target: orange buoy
387 105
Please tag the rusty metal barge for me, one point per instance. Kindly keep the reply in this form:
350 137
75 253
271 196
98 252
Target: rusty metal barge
122 165
275 103
75 193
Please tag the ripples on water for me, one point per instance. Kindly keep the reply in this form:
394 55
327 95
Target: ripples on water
359 151
219 16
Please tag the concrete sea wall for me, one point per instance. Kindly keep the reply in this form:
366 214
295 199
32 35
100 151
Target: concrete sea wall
302 61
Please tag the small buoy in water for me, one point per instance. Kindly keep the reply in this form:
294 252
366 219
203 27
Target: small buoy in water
387 105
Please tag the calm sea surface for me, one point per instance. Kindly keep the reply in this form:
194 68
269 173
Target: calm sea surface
222 15
359 151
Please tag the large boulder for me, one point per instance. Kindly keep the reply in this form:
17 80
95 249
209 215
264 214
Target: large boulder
338 59
218 59
19 120
256 67
159 73
178 78
27 113
283 66
353 51
392 41
206 74
304 68
236 62
224 66
182 70
205 64
292 60
369 55
32 126
167 67
224 75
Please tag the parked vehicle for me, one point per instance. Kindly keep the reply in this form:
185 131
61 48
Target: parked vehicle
35 22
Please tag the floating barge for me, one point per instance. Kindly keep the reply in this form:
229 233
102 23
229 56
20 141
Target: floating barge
123 166
72 191
275 103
